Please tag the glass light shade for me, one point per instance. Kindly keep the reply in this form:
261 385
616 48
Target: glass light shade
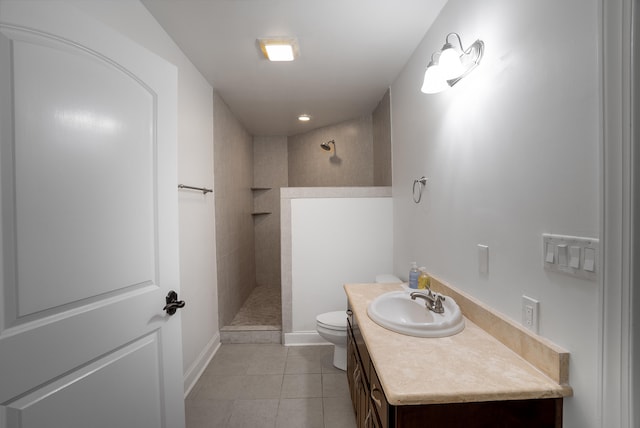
449 62
434 82
279 52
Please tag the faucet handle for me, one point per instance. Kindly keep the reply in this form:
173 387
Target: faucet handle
437 303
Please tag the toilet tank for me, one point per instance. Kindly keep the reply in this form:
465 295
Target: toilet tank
387 278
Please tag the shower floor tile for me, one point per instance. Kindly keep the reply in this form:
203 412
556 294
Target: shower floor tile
261 309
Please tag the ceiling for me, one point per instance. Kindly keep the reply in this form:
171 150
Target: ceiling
350 53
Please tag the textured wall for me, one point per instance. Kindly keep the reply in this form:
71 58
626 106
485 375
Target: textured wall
351 164
382 142
233 167
269 170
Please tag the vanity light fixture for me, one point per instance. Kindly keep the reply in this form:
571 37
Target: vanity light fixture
304 118
450 64
279 48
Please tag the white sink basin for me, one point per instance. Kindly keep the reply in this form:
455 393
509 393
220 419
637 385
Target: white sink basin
397 312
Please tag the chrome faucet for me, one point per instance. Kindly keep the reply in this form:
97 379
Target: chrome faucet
433 301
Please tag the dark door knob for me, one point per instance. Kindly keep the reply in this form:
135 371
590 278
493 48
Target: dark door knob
173 304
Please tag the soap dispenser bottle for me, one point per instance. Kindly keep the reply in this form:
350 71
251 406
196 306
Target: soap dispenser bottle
424 281
414 273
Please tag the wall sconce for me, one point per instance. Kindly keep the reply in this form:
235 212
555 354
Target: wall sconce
450 64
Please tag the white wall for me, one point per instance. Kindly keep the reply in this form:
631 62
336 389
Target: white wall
510 152
200 333
336 241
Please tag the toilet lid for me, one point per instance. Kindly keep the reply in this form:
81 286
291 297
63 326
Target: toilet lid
333 319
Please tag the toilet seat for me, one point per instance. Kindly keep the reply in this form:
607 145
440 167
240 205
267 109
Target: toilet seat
336 320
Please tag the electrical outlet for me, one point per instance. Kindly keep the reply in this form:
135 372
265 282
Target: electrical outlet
530 308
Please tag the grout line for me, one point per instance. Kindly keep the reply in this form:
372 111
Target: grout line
322 418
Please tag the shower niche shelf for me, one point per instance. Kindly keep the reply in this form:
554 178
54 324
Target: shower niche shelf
259 189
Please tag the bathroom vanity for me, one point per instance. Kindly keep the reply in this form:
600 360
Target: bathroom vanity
469 380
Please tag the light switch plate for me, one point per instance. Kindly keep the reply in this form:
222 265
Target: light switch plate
571 255
483 259
530 309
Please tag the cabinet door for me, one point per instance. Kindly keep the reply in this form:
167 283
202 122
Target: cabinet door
357 384
374 422
365 410
352 371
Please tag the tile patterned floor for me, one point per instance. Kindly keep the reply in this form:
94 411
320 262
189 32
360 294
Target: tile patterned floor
262 308
271 386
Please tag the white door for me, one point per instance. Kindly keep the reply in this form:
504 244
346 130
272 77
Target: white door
88 225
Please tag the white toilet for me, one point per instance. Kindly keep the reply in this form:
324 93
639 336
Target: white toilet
332 327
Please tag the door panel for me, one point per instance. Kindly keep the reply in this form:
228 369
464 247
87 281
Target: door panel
135 405
37 352
89 225
89 167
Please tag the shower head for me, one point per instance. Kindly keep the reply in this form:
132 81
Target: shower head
327 147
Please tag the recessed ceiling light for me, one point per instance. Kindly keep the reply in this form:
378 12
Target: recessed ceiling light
304 118
279 48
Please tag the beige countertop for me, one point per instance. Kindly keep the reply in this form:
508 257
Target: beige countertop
469 366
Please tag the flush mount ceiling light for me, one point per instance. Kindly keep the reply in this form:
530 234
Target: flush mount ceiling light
279 48
450 64
304 118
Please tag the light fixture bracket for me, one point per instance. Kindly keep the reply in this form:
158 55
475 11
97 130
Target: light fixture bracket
469 59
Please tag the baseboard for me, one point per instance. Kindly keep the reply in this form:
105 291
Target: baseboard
300 338
197 368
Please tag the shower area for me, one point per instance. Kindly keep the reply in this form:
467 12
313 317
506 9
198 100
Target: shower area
249 173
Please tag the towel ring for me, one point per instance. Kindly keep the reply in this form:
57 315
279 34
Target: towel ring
421 182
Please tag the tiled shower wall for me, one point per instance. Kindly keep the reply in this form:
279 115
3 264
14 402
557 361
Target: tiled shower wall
269 171
248 246
351 164
362 158
233 168
382 142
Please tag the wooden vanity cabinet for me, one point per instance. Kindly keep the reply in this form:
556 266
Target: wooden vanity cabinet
360 387
373 411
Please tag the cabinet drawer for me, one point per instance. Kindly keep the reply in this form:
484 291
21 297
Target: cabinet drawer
378 399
